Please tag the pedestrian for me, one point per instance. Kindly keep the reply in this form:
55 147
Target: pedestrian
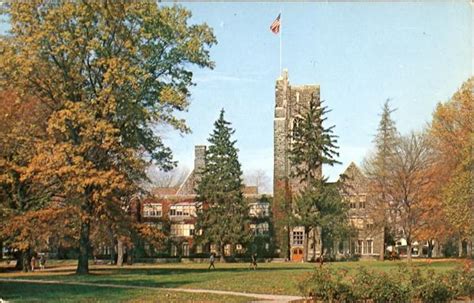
42 261
211 261
33 262
253 264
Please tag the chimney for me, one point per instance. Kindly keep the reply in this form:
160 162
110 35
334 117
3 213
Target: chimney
199 158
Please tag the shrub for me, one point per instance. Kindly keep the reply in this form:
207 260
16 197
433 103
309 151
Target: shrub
327 285
406 284
436 288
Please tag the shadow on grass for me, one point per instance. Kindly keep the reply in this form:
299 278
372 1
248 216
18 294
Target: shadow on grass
22 292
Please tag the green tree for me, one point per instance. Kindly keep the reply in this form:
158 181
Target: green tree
377 169
111 71
312 146
223 215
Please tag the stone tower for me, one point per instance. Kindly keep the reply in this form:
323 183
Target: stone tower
289 99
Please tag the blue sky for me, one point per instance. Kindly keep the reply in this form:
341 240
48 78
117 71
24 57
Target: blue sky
416 54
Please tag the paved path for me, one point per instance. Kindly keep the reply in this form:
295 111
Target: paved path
260 297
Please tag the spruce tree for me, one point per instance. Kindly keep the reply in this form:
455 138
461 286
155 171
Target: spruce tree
377 169
312 146
222 216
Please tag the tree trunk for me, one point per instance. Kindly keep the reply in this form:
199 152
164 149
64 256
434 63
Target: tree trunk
1 250
382 247
18 255
460 250
305 245
83 259
408 251
469 249
430 248
221 251
119 252
26 261
314 244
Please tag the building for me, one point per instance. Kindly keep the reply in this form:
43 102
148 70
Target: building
174 209
288 100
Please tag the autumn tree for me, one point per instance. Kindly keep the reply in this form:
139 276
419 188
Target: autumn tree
22 124
223 214
312 145
377 169
451 133
109 71
409 183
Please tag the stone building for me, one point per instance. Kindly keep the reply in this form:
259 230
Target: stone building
289 99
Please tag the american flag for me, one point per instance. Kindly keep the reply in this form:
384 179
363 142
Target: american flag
275 27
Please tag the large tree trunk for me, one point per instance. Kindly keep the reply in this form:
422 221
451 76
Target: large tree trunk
19 260
119 252
83 259
469 249
1 250
26 261
314 244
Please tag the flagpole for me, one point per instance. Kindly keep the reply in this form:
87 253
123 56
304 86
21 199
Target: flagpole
281 34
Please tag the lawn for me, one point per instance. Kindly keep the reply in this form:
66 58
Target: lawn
21 292
269 278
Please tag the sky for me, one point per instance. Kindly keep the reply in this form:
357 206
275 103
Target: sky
415 53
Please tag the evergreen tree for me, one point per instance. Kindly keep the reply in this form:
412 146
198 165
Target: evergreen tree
312 146
377 169
223 214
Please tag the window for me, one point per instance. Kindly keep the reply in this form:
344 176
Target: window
183 210
152 210
259 209
260 228
297 238
370 247
361 204
182 230
198 248
185 249
359 247
370 226
174 250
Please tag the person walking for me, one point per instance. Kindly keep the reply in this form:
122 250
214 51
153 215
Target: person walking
253 264
211 261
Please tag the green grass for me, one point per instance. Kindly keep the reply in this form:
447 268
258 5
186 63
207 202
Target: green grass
23 292
270 278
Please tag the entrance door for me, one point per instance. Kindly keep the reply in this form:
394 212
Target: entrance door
297 255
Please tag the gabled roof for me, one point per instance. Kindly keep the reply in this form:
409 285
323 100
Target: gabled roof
354 179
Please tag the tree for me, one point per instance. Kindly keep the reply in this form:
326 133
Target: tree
109 71
377 169
409 183
451 134
22 124
223 215
161 178
312 146
258 178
